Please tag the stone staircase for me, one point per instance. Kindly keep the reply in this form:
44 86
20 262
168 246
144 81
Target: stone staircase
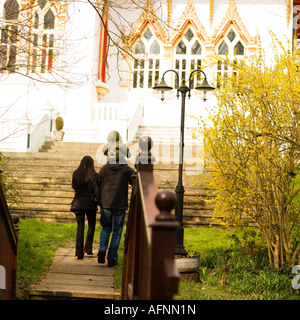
166 135
166 144
44 179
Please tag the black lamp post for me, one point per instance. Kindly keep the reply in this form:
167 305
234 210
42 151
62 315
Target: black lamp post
162 91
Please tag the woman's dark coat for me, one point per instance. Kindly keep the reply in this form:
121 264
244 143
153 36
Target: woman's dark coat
85 195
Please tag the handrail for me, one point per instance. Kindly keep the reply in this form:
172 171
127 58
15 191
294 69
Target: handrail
134 122
8 250
149 269
38 133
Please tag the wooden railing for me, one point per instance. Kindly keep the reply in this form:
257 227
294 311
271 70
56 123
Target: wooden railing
149 269
8 250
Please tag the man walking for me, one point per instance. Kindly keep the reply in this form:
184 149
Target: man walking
113 179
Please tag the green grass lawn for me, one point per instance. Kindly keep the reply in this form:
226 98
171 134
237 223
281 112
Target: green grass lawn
225 272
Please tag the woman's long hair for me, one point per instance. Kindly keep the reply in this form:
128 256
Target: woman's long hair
85 171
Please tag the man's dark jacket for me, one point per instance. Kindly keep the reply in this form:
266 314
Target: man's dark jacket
113 180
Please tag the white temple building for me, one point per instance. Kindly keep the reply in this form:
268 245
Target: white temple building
95 62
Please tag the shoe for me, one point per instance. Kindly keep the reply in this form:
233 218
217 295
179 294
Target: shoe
101 256
112 263
90 253
80 257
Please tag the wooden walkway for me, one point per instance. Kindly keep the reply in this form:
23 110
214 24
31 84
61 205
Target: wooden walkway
70 278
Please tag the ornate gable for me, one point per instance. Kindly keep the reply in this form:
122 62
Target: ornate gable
147 17
190 16
232 16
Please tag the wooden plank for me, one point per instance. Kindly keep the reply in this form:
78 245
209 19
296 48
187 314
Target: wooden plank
61 295
64 259
102 283
80 269
70 278
81 279
74 288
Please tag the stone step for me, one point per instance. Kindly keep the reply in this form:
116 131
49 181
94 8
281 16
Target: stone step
64 197
42 206
44 179
62 213
172 130
191 218
71 145
43 187
165 134
37 189
40 169
43 156
44 183
26 165
83 149
26 213
43 200
45 215
162 139
163 153
57 194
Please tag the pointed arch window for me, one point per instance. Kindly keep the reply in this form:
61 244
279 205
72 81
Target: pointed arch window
148 59
231 35
11 10
36 21
181 48
223 48
36 54
139 48
239 49
232 47
196 48
188 56
49 20
43 38
155 48
148 34
42 3
9 36
189 35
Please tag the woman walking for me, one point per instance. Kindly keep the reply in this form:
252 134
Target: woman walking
84 203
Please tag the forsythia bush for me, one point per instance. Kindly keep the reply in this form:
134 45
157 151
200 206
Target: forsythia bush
252 141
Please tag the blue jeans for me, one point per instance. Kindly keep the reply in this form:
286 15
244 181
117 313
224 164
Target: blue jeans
112 220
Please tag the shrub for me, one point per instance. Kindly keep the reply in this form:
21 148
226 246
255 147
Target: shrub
59 123
252 141
11 189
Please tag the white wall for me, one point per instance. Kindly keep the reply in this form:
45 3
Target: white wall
75 101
